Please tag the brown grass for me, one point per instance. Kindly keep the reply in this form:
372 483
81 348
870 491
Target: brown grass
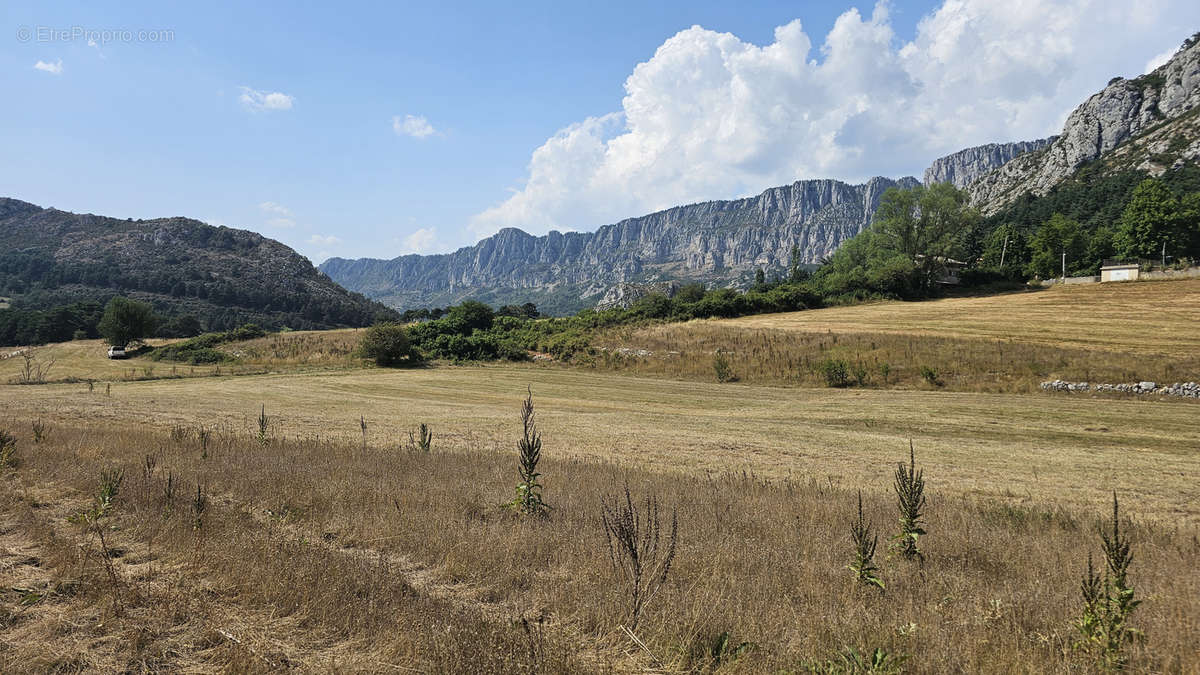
296 351
323 555
1020 448
1099 333
1148 317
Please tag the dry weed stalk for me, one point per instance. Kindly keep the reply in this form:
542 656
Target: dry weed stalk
637 549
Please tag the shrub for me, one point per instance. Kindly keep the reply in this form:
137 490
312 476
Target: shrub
387 344
931 376
8 450
722 369
835 371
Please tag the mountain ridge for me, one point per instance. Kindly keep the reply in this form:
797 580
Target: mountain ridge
181 265
719 241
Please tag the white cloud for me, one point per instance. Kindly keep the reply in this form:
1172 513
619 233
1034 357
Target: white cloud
711 116
1159 60
323 240
262 101
55 68
424 240
412 125
274 207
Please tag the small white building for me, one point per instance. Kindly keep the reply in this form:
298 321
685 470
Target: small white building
1119 272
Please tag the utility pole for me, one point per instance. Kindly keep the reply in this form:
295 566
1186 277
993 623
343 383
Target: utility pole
1164 254
1003 251
1064 265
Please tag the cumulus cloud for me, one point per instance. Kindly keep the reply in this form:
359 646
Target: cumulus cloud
711 116
324 240
55 68
1159 60
263 101
423 240
412 125
275 207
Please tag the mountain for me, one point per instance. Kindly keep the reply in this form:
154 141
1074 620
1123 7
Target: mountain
222 276
963 167
719 242
1147 123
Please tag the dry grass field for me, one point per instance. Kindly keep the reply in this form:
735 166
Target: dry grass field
1147 317
1004 343
324 547
311 553
294 351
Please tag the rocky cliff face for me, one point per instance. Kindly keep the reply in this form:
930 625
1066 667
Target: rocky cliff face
1119 113
963 167
712 241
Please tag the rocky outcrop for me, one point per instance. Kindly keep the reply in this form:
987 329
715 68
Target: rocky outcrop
1117 114
715 241
624 295
963 167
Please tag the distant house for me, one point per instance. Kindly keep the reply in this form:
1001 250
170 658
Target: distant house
948 268
1113 270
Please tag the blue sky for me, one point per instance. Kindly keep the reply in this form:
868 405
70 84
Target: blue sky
290 119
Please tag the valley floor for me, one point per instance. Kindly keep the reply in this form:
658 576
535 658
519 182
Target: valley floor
1021 448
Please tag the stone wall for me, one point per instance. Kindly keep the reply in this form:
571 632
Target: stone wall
1185 389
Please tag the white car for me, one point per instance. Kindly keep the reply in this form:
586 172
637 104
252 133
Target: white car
116 352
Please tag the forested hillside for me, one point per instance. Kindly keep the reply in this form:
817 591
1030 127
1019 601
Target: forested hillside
58 267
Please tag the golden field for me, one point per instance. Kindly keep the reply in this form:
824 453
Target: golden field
321 547
1112 333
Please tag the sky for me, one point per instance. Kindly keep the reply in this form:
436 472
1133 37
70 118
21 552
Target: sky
381 129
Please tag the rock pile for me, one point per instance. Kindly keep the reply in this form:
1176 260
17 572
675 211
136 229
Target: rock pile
1186 389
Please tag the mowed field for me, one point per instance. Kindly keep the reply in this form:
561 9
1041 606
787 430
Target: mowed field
1148 317
1124 332
1047 449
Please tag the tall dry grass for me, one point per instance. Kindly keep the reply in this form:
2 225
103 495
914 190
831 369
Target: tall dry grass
785 356
325 555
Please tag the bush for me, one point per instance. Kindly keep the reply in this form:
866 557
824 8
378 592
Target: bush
931 376
387 344
722 369
836 372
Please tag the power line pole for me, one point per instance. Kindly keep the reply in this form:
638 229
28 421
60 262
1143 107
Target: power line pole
1003 251
1064 265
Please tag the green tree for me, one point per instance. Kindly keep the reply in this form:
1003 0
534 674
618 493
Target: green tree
472 314
126 321
923 224
1152 218
1058 235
